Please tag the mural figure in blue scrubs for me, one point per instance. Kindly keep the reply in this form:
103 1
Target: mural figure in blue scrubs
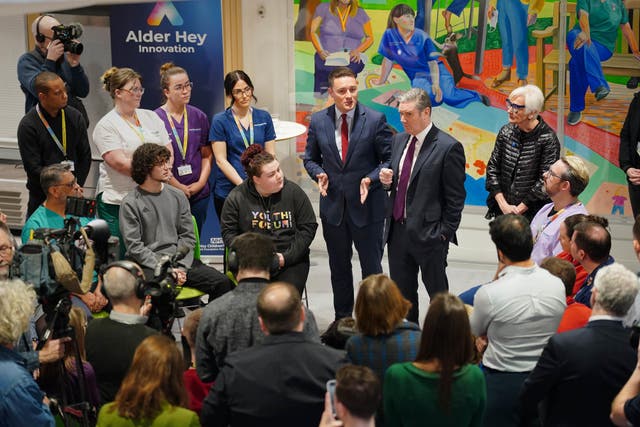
416 53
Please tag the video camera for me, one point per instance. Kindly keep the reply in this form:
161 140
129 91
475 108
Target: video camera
67 35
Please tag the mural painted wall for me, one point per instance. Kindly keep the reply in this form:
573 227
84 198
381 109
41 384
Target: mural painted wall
469 101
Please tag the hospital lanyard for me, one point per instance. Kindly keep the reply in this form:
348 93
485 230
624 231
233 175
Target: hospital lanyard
241 129
137 129
343 18
182 146
63 146
550 220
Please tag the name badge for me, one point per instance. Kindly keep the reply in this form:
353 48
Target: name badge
69 164
184 170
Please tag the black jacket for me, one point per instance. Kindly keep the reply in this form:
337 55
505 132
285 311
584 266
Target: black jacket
630 135
518 161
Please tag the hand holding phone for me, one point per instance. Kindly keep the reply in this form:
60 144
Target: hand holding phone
331 389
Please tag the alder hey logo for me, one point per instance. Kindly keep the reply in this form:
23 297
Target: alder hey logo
162 9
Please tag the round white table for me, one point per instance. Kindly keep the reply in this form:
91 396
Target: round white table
288 130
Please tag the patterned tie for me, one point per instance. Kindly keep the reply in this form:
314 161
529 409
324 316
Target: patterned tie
403 183
344 135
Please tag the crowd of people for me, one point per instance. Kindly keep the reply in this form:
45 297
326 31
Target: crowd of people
549 333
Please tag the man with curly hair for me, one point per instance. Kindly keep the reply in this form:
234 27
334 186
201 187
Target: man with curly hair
155 221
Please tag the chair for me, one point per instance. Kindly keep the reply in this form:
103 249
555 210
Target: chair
190 298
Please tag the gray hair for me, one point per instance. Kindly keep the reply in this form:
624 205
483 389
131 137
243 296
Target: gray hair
617 288
16 307
417 95
533 98
119 283
52 175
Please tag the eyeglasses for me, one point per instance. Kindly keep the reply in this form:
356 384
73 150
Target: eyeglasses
513 106
549 172
239 92
186 86
68 184
135 90
6 250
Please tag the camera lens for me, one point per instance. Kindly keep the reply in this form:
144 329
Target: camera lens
74 47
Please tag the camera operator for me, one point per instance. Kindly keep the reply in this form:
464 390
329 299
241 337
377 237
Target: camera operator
112 341
49 55
156 223
53 349
51 133
22 401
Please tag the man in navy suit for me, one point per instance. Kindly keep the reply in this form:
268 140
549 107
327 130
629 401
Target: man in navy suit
580 371
426 179
347 146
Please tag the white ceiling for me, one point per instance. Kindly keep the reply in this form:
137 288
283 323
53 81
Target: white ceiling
21 7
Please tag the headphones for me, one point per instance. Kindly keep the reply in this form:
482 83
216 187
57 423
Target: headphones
233 263
40 38
134 270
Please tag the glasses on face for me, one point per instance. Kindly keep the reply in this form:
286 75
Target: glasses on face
135 90
68 184
549 173
514 106
186 86
247 91
5 250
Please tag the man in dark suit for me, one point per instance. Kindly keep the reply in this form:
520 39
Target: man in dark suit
580 371
280 382
426 179
347 146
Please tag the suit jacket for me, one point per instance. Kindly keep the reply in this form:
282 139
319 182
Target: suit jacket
435 196
579 373
369 151
281 382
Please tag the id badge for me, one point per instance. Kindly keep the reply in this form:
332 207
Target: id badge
69 164
184 170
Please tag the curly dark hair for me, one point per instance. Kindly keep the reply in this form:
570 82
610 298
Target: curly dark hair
254 158
145 158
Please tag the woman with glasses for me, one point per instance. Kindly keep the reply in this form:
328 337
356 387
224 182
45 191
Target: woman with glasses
188 129
525 148
233 131
117 135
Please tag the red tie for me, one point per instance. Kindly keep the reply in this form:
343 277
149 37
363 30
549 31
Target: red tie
344 134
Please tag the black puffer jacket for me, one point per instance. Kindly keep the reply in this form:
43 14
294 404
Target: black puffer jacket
517 163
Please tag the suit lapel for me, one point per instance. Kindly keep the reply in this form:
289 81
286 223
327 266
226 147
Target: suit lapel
330 129
427 148
359 120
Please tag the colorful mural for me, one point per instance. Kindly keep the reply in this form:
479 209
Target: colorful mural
384 70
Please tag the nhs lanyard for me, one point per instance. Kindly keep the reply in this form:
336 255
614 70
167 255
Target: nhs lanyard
63 146
241 129
182 146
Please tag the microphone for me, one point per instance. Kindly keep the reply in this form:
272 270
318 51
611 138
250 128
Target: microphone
160 265
180 253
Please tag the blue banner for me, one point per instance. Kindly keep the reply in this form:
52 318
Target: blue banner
189 34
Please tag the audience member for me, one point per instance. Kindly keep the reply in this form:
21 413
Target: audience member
280 382
357 396
49 55
347 146
426 178
442 387
152 392
517 313
563 183
22 401
112 341
268 203
633 316
192 167
197 390
230 323
566 231
155 221
385 337
628 156
116 136
524 148
51 133
590 246
580 371
67 374
576 315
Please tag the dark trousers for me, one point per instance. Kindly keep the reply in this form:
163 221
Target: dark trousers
503 392
405 260
295 274
634 199
199 211
339 240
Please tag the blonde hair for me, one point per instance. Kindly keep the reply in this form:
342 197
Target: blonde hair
16 307
115 78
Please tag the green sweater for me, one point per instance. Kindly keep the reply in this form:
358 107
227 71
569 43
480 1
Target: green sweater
170 416
411 397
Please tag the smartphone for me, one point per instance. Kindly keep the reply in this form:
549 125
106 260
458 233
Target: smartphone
331 388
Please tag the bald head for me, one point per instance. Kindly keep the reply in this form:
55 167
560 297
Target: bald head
44 26
120 283
280 309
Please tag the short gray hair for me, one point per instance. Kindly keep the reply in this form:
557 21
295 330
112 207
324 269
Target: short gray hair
417 95
617 288
52 175
16 307
119 283
533 98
